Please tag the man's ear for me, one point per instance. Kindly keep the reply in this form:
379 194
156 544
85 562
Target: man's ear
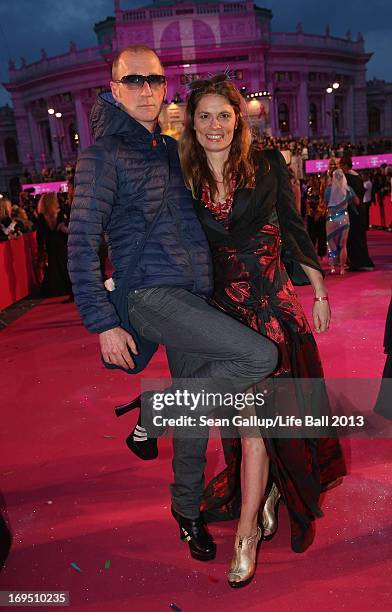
113 88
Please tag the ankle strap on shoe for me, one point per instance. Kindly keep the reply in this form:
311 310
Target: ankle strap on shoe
249 540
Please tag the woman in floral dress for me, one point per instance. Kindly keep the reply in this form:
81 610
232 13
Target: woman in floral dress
245 203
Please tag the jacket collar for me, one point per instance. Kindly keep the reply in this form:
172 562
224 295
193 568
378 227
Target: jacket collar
107 118
242 199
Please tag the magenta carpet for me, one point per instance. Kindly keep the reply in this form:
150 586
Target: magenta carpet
74 494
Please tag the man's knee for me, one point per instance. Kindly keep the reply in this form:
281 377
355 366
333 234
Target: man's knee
269 358
263 360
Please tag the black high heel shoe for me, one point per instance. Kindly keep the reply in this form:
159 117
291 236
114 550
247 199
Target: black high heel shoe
124 408
201 545
143 447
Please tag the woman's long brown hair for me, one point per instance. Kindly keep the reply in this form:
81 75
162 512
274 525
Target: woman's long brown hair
5 207
239 164
47 204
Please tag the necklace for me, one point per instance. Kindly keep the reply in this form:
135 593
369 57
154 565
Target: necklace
220 210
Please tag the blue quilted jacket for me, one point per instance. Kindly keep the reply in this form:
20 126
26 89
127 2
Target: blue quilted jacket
119 185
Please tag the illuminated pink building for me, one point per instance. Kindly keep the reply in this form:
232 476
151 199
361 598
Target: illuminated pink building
291 71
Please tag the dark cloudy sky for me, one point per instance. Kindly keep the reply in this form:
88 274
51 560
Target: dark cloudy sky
28 25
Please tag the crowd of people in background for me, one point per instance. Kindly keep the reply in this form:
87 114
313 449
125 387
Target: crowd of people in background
14 220
336 206
320 149
48 214
47 175
377 185
303 148
17 218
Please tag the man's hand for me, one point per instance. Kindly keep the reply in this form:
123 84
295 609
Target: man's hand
114 347
321 316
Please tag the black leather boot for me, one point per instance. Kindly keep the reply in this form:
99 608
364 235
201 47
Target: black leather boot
201 545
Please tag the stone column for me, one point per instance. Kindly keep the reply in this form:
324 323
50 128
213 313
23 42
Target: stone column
349 111
329 104
387 119
360 106
25 149
303 107
55 143
46 154
323 115
187 39
273 115
35 140
3 158
82 121
272 112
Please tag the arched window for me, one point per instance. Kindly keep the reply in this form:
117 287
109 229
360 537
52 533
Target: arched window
374 120
11 151
313 118
283 118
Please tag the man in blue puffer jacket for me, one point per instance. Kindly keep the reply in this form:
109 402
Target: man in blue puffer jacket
119 186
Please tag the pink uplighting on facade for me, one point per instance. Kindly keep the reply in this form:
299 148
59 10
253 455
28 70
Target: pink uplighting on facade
195 39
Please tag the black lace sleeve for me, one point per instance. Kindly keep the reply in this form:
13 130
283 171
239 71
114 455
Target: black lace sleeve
297 247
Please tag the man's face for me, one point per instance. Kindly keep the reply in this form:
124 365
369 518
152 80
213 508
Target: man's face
143 104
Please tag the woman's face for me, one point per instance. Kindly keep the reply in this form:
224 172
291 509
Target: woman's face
214 123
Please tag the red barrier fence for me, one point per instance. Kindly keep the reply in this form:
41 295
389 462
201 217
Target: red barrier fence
18 274
18 271
375 213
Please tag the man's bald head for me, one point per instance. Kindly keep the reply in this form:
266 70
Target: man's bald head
143 100
132 49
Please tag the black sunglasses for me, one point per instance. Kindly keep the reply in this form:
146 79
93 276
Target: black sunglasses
136 81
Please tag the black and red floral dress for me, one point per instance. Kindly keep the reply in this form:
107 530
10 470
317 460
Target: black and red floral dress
248 242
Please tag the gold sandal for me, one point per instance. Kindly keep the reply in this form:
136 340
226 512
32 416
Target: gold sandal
270 513
243 566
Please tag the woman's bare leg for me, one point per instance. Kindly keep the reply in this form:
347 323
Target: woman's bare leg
343 253
254 477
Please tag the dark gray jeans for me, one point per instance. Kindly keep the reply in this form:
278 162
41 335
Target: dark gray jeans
201 342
